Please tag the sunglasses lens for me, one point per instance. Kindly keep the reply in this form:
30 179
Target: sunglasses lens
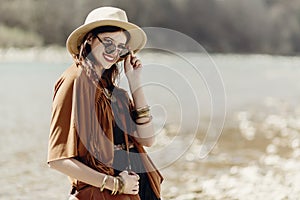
110 48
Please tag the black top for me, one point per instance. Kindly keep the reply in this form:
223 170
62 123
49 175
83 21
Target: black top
118 135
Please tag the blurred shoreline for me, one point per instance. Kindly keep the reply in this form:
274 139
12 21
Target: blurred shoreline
47 53
54 54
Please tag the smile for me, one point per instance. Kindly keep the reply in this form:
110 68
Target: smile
108 58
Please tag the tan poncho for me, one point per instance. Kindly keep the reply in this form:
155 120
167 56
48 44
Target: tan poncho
82 126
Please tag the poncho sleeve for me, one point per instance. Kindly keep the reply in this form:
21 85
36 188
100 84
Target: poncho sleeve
63 139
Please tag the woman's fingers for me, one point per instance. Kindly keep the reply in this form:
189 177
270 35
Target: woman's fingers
136 63
138 177
132 62
125 172
127 64
135 174
133 59
131 182
135 190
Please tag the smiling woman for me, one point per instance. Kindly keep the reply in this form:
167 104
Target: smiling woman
110 47
113 44
97 132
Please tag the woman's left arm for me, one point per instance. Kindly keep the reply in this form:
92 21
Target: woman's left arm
145 131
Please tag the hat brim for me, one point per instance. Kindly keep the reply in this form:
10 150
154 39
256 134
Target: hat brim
137 40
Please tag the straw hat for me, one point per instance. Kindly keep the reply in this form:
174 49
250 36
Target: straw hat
107 16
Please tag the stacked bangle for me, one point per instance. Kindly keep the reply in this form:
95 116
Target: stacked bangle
121 184
143 112
115 189
103 183
118 185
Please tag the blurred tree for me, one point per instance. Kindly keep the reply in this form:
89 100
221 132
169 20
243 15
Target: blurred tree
285 18
18 38
241 26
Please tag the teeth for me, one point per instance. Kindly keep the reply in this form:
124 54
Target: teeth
109 58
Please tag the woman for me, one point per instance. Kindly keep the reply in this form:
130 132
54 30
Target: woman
97 132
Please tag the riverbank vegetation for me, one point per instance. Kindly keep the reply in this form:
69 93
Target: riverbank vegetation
222 26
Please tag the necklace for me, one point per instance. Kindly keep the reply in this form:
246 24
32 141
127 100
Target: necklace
108 94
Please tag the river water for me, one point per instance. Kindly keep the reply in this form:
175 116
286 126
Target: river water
245 106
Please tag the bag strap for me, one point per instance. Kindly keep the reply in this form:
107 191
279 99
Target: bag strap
124 122
127 150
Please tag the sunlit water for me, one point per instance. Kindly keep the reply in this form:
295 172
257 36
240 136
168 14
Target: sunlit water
259 147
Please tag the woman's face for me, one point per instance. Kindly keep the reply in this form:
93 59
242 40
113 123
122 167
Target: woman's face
106 60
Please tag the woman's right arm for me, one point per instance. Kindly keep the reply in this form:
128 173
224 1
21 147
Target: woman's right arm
80 171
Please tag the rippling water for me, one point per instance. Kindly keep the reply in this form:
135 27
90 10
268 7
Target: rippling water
258 150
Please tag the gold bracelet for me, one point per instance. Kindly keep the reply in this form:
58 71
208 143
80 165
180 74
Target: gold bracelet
103 183
121 184
146 122
118 186
114 191
142 115
143 109
141 112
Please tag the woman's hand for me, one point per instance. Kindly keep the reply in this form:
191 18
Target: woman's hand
131 182
133 68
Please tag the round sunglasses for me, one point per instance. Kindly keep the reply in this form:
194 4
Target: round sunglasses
110 47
